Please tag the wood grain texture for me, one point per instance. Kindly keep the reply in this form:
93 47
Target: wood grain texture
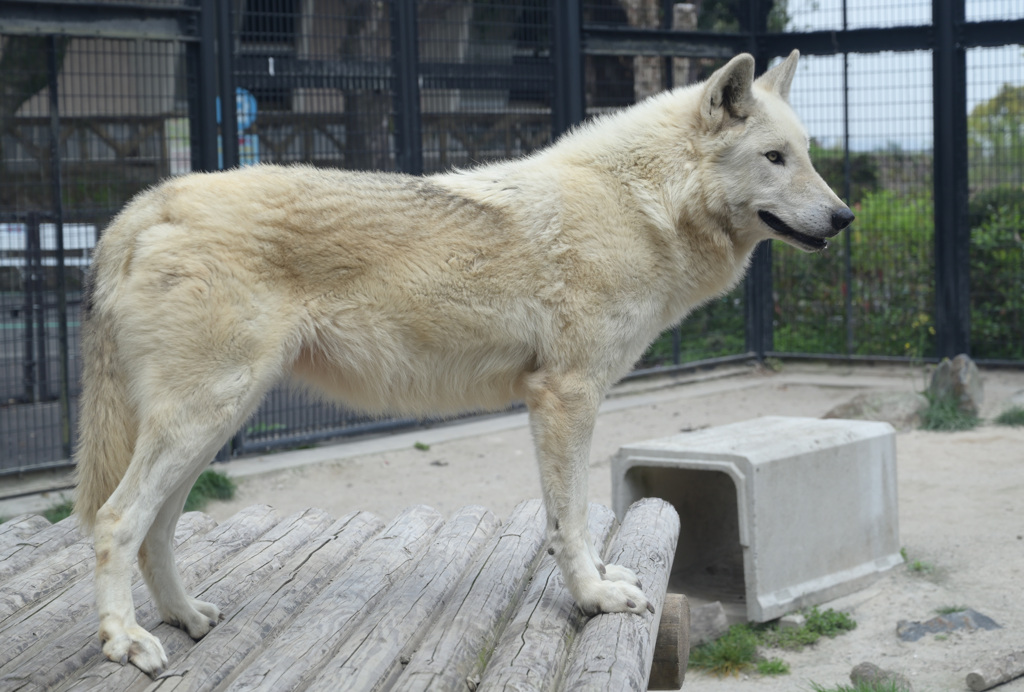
252 627
54 615
75 651
531 651
320 630
457 647
314 603
614 651
372 655
237 576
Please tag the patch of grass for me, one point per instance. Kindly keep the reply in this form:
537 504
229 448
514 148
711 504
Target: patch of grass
61 510
921 567
211 485
729 654
860 687
737 650
830 623
949 610
943 414
1012 416
772 666
422 446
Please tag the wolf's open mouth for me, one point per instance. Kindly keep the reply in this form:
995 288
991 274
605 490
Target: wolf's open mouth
780 227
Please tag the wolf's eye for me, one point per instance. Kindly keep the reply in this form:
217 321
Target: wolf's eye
774 157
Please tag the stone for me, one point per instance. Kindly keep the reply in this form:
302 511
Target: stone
869 674
959 380
968 619
793 621
902 410
708 622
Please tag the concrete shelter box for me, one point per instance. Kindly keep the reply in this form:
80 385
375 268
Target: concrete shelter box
777 513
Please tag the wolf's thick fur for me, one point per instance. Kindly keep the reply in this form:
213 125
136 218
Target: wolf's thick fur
541 279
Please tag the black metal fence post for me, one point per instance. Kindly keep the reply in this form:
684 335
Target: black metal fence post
52 68
952 235
201 58
568 102
226 84
758 286
406 94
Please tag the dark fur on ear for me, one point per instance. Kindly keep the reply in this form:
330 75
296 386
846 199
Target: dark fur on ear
727 92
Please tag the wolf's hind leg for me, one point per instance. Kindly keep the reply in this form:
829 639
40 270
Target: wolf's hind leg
156 559
563 410
177 438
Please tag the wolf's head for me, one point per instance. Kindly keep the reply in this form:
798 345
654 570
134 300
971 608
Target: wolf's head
759 158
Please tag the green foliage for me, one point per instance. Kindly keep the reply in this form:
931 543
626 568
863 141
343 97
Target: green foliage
1012 416
995 138
422 446
943 414
891 283
830 623
61 510
831 165
210 485
772 666
997 284
737 651
727 655
949 610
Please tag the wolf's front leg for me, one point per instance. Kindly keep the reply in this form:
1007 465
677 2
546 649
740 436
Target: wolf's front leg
563 410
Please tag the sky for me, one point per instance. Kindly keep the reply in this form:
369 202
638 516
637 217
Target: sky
890 93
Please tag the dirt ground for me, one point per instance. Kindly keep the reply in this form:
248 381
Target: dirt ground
961 500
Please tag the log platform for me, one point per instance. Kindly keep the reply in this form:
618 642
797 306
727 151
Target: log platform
313 602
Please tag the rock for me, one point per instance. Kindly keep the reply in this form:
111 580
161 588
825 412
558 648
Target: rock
793 621
869 674
964 620
959 380
900 409
707 623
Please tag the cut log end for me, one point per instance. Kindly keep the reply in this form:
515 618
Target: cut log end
672 648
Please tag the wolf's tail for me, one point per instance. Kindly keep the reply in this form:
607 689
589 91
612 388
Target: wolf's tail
107 421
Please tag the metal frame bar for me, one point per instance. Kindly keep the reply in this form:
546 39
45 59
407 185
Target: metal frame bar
101 19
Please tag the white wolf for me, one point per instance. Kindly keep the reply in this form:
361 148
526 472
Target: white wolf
541 279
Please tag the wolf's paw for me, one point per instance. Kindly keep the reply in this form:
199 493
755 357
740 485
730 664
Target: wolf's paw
134 644
620 573
198 619
605 596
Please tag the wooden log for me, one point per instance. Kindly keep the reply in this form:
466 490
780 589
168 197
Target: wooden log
253 626
31 627
455 650
18 556
672 648
237 578
15 530
996 672
373 653
50 663
646 542
323 626
531 651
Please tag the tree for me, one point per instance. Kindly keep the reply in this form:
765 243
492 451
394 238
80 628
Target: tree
995 132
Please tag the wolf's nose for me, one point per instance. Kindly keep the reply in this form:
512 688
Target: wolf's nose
842 218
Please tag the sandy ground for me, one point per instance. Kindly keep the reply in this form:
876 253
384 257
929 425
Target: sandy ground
961 498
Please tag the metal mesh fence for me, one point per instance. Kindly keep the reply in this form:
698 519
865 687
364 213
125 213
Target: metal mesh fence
86 123
90 115
995 126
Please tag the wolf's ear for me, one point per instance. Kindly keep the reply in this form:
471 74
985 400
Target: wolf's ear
780 77
727 92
